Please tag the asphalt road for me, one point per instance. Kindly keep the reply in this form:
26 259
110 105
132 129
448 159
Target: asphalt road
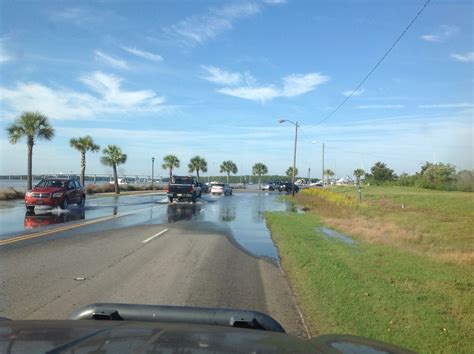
217 253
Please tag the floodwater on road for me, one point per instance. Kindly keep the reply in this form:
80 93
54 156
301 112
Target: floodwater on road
242 214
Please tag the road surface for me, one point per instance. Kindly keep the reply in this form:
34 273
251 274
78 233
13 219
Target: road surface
217 253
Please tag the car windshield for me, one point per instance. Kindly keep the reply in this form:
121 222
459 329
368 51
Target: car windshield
183 180
51 183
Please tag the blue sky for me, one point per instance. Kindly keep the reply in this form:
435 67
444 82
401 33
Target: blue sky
212 79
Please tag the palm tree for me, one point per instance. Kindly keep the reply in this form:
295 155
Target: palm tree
289 172
170 161
259 169
84 144
197 163
113 156
31 125
229 167
358 173
328 173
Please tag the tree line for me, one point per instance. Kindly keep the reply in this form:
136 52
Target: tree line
34 126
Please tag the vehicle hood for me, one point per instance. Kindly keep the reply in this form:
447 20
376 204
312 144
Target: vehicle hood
145 337
47 189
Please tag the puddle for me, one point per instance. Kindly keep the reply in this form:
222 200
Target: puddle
297 210
333 234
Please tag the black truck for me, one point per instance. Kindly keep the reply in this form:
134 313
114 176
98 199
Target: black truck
183 188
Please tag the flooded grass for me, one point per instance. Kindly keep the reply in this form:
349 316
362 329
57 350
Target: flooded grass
416 220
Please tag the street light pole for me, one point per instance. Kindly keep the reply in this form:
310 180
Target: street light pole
152 172
322 164
294 153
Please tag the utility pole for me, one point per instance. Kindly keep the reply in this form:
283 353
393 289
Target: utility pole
294 152
294 160
322 174
152 172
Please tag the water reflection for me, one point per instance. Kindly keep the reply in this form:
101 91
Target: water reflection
227 214
181 211
33 220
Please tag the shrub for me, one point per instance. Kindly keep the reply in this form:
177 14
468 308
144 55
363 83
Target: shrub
10 193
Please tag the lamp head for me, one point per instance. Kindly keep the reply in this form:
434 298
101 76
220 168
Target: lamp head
281 120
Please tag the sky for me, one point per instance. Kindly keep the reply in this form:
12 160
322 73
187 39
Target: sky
212 78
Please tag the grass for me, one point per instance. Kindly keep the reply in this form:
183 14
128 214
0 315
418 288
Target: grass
374 289
11 193
109 188
435 223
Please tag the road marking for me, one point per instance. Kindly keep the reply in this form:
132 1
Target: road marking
152 237
67 227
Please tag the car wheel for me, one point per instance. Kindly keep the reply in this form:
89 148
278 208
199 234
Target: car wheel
30 208
64 204
82 202
170 199
193 198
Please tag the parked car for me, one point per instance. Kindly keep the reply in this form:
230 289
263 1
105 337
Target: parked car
183 188
121 181
204 187
271 186
55 192
287 187
221 189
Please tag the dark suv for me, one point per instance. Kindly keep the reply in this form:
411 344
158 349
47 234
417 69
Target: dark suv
286 187
55 192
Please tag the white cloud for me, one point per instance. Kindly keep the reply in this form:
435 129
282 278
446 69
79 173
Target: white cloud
448 105
262 93
143 54
431 38
274 2
465 58
5 55
380 106
293 85
444 33
109 60
109 87
298 84
66 104
220 76
353 93
199 29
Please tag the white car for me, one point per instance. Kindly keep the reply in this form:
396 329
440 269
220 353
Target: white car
221 189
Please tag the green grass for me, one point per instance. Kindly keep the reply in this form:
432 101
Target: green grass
419 220
375 290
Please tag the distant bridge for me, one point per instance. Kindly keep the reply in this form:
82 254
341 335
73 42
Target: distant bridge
89 177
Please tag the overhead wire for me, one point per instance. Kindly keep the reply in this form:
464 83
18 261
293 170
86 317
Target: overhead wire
366 77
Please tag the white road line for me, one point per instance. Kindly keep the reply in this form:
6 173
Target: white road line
152 237
202 210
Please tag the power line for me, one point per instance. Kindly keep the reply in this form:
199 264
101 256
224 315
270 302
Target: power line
376 65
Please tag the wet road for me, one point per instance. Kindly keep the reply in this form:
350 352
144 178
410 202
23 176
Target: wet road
138 249
242 213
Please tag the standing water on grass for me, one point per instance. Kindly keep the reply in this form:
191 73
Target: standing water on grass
333 234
